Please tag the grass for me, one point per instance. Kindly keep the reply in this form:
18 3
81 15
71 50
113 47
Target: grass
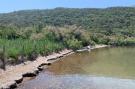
17 47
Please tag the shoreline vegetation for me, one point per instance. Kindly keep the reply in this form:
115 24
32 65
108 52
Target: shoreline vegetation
17 46
14 74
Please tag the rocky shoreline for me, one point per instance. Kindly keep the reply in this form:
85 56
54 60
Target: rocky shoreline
10 78
14 75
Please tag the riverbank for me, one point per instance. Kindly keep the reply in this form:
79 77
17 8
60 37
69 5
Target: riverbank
15 74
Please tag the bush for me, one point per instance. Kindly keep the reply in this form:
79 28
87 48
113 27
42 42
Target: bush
74 44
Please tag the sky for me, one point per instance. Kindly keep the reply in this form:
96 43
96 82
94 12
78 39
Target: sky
15 5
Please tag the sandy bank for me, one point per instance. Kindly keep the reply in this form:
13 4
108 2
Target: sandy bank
15 74
99 46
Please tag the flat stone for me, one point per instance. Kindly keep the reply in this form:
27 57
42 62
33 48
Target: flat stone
9 85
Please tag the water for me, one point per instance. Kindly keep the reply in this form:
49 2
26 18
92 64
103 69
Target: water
106 68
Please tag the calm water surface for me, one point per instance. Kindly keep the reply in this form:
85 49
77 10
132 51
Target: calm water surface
106 68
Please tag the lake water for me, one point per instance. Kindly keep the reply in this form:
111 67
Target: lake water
106 68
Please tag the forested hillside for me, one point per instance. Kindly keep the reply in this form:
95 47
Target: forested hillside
113 20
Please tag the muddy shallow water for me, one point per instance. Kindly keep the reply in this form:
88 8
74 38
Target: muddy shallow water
106 68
